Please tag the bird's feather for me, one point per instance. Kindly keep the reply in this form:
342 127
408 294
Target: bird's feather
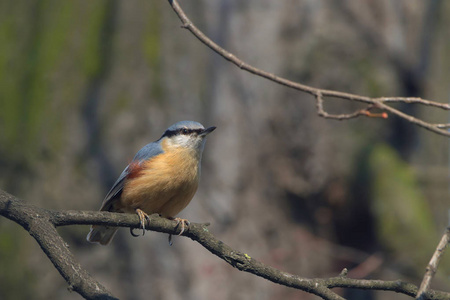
165 185
148 151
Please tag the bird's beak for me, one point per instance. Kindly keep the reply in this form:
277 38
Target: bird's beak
207 131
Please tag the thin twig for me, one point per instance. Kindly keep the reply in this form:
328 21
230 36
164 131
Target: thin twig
379 102
443 126
417 100
433 265
361 112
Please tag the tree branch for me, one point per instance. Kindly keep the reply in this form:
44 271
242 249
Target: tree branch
379 102
38 223
433 264
41 223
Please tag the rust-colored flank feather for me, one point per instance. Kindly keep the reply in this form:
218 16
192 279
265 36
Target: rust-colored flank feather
135 170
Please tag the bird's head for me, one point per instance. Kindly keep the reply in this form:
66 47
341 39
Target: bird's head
187 134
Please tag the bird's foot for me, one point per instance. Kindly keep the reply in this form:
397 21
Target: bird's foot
142 218
184 223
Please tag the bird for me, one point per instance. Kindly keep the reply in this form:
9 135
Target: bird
162 178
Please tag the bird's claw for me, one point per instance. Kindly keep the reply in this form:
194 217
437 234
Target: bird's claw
132 233
142 218
184 223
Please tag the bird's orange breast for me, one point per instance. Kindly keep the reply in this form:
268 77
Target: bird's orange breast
164 184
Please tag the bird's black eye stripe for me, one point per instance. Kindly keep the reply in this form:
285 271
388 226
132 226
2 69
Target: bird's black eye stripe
182 131
187 131
169 133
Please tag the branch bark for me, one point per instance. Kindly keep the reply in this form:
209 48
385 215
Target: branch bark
319 94
433 264
41 223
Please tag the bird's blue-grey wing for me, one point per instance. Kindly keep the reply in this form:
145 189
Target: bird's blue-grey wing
115 191
146 152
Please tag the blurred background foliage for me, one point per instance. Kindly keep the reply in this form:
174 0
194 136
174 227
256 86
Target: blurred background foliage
85 84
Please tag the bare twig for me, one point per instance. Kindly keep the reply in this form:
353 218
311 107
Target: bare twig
416 100
362 112
40 224
446 125
433 265
379 102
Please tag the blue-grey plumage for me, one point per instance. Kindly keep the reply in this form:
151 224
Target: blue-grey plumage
162 177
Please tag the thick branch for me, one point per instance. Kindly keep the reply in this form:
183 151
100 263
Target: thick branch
316 92
37 222
40 223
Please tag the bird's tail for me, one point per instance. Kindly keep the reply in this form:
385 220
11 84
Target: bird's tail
101 234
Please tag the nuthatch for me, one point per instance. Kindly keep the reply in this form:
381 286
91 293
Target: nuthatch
162 178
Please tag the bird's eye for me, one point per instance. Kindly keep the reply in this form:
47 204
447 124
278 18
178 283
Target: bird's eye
185 131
